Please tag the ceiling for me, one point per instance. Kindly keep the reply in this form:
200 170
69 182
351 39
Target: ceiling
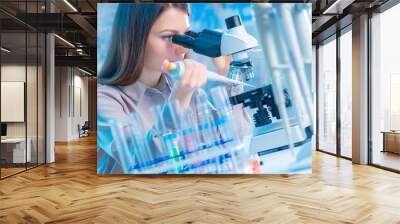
77 25
328 16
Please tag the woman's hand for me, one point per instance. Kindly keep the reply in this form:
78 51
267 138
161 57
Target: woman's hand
222 64
194 77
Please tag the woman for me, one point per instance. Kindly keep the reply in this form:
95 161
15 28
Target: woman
133 79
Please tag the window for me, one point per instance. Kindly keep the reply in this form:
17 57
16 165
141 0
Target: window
385 85
23 77
327 96
346 93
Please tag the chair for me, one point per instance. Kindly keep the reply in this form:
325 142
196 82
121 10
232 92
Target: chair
84 130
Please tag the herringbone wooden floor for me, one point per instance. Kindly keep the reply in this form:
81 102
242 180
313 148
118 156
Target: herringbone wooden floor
70 191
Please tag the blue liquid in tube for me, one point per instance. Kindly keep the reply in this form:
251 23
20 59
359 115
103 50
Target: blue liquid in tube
172 139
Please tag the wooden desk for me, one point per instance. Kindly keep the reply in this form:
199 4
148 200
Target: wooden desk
13 150
391 141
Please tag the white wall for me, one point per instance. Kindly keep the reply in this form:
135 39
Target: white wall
14 73
79 117
33 126
70 83
61 103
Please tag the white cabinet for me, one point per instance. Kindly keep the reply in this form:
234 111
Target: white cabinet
18 149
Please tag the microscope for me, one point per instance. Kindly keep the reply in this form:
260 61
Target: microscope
271 133
269 136
213 43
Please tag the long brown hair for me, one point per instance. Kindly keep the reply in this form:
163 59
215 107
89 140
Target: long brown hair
125 57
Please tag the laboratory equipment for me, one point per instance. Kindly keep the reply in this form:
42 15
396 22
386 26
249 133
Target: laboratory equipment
269 135
180 142
165 131
176 70
224 117
121 152
208 132
138 141
237 42
287 46
189 131
213 43
287 49
205 140
172 138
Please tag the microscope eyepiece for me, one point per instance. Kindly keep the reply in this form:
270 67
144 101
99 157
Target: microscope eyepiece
207 42
233 22
192 34
183 40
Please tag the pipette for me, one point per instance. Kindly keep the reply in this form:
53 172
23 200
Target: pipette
176 70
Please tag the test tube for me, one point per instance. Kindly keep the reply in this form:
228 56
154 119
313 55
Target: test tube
189 132
223 120
172 115
192 140
208 129
223 108
139 142
157 132
205 119
173 121
226 121
172 118
120 148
